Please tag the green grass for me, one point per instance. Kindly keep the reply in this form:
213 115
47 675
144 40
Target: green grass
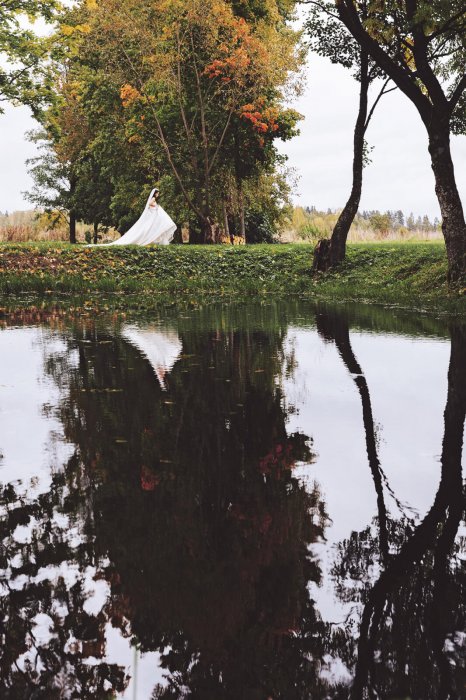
409 275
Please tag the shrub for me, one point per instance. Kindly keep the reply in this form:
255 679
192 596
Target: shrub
259 228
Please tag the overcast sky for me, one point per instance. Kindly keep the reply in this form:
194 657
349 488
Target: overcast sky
398 178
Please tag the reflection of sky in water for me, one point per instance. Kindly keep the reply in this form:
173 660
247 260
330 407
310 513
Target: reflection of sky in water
32 448
407 379
24 392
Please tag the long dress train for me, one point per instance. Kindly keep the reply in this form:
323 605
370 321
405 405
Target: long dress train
153 226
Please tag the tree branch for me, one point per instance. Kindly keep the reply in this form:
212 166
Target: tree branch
348 14
221 140
162 138
419 51
320 6
382 92
457 92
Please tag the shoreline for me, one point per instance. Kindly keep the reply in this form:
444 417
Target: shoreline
402 275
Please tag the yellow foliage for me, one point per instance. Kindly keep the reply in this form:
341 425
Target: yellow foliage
237 240
408 54
129 95
69 30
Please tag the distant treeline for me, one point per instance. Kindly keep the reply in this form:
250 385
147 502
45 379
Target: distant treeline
310 223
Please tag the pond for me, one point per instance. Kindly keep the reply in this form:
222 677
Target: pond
253 501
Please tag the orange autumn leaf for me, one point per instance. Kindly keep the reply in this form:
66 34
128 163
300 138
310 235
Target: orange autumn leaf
129 95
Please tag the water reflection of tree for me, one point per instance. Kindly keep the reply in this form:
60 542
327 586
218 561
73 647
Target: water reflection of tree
411 630
33 585
190 494
205 526
189 508
334 327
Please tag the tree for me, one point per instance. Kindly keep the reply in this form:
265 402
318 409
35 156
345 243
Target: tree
410 222
426 225
92 195
334 327
53 182
330 38
411 612
420 46
436 601
64 139
84 164
381 223
23 73
400 218
199 88
219 527
70 189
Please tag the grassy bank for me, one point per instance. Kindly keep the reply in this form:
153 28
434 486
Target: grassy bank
410 275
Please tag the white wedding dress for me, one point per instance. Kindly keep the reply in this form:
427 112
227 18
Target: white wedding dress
162 347
153 226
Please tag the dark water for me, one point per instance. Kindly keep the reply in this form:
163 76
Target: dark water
259 501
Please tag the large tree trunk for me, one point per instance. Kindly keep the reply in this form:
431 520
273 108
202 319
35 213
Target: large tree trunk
96 233
242 221
329 253
210 230
226 223
453 221
72 227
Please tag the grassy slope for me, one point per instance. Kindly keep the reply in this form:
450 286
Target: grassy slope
403 274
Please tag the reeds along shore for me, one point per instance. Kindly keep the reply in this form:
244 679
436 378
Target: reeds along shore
303 225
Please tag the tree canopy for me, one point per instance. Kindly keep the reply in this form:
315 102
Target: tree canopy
186 94
23 70
421 46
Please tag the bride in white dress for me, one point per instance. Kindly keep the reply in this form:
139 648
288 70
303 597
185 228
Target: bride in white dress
153 226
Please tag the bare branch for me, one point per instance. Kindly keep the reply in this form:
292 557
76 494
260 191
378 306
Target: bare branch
320 6
382 92
221 140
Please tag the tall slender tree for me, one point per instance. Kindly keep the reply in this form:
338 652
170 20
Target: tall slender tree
421 46
329 38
